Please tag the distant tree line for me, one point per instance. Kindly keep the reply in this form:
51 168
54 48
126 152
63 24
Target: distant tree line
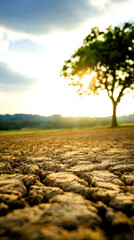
62 122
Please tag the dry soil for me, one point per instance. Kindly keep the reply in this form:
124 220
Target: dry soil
72 185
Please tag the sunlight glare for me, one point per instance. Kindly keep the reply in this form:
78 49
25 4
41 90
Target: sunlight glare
86 80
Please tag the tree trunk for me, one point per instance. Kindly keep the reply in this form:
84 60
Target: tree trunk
114 119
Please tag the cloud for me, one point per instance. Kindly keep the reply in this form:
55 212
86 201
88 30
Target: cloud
11 81
44 16
41 16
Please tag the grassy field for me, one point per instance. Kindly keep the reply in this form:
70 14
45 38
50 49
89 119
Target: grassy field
27 131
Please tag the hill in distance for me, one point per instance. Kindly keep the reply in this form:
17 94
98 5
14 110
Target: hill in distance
23 117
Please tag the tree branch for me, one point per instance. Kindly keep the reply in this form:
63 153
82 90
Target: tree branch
120 95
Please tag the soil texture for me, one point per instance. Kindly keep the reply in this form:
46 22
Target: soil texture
72 185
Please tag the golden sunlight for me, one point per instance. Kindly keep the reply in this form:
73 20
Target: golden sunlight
86 80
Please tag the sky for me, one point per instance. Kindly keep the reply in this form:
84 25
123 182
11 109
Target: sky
36 37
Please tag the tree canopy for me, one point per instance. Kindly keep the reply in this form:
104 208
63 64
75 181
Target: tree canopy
107 57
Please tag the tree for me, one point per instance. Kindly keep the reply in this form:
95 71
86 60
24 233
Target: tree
108 59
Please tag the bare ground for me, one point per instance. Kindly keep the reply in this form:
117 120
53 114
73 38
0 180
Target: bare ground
75 185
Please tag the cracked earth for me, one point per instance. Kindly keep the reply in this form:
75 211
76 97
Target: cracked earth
72 185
